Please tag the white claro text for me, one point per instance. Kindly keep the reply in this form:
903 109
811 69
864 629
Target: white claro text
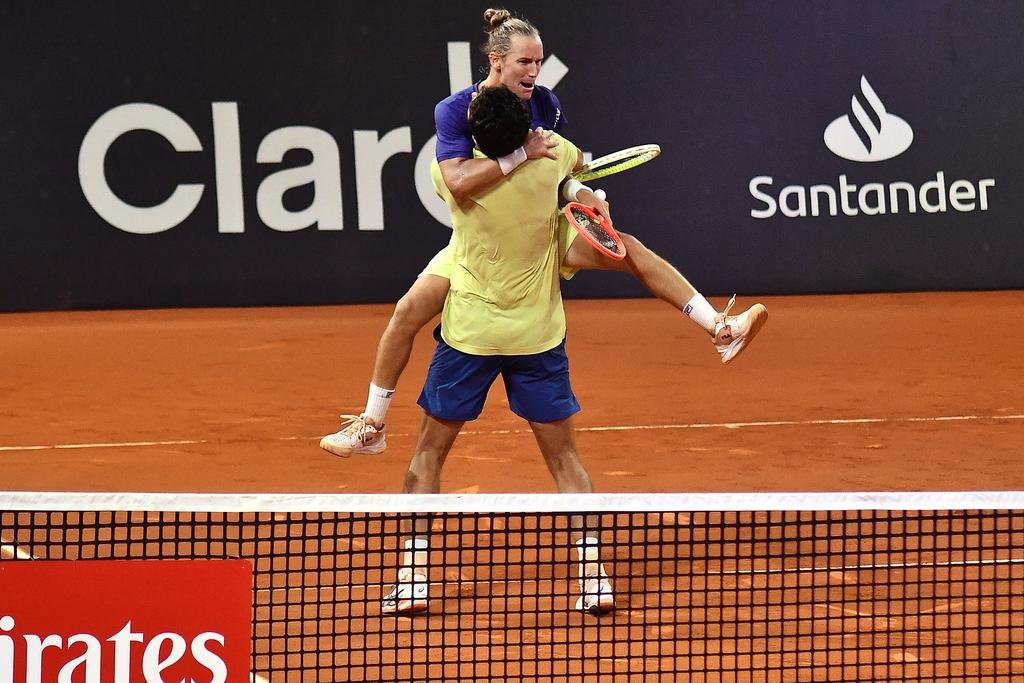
371 151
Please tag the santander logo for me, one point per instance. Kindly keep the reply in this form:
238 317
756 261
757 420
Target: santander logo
868 132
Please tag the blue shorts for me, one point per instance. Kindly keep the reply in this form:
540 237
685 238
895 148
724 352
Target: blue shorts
537 384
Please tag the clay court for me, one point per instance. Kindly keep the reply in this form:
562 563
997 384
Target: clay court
870 392
909 392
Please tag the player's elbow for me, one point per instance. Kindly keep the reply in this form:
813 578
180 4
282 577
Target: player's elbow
457 180
459 188
453 174
459 193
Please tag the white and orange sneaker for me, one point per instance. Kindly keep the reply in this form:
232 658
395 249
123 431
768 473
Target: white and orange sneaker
733 333
358 436
408 596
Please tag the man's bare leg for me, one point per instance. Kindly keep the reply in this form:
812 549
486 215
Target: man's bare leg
421 304
364 434
557 442
433 444
731 334
655 273
435 440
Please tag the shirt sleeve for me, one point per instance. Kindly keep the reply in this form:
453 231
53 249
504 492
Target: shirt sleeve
567 154
454 140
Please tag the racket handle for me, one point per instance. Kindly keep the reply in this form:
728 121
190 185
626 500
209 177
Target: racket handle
600 194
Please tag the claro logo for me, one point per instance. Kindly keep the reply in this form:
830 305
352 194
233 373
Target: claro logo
90 658
371 150
869 133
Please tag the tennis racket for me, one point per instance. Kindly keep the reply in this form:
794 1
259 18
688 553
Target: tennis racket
616 162
595 229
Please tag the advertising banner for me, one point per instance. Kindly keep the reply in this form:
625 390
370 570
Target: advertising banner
271 153
114 621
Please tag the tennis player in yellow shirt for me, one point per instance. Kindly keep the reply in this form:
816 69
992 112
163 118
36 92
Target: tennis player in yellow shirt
503 316
514 52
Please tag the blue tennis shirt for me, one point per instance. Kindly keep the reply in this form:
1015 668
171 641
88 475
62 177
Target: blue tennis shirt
454 138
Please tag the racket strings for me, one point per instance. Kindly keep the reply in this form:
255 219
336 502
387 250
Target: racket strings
596 230
617 162
624 164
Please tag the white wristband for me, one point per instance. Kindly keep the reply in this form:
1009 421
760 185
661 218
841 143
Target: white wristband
509 162
571 188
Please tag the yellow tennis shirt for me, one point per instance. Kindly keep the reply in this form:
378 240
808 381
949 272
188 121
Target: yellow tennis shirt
505 297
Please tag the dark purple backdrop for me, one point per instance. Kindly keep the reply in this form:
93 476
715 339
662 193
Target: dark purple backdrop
731 91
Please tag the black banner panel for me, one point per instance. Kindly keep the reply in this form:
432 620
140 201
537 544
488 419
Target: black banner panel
273 153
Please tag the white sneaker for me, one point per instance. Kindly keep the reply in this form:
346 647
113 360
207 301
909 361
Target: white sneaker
408 596
358 436
733 333
597 597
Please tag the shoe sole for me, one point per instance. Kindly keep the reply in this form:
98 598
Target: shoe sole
375 449
758 317
605 604
406 607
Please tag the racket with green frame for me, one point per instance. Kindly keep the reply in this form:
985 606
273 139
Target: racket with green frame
616 162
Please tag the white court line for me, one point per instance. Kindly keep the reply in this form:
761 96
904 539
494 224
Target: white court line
791 423
109 444
862 567
500 432
352 592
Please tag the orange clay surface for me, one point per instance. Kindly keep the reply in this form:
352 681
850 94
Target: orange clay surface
894 392
866 392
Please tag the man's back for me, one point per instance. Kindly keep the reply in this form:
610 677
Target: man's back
505 296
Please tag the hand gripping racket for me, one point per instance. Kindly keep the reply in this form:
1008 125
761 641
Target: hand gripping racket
617 162
595 229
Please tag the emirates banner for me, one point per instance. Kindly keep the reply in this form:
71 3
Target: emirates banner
270 153
114 621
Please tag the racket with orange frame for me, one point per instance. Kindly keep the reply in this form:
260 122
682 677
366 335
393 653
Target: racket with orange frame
595 229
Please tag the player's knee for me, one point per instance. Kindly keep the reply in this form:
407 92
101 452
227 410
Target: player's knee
422 474
420 305
630 242
638 256
409 315
412 482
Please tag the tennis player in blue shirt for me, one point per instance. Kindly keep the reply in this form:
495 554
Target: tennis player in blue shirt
514 52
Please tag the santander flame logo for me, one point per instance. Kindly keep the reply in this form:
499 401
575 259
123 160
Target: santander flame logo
868 132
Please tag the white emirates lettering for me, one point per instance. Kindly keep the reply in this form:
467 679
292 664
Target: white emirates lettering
84 651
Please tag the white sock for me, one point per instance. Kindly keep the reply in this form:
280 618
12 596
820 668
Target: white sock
590 557
415 555
701 312
377 402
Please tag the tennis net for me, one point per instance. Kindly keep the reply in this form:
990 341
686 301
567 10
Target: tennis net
707 587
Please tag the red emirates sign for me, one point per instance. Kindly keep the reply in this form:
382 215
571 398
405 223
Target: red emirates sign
125 621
